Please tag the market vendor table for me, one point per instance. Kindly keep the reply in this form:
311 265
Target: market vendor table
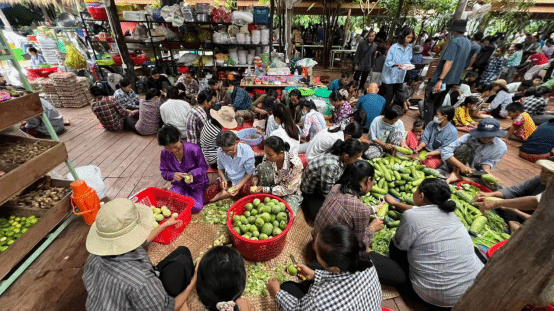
316 46
333 52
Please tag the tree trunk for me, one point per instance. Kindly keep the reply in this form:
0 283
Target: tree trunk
483 23
395 23
459 10
113 17
522 271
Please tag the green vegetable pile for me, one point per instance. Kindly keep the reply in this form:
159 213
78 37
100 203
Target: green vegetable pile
13 228
470 189
381 241
261 220
398 176
256 280
216 213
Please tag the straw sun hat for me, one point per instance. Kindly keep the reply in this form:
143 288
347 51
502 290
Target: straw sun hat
225 116
120 227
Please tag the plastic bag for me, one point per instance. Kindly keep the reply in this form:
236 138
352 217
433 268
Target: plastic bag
92 175
74 59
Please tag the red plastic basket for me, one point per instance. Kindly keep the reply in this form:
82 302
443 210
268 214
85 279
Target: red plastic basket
481 187
98 13
139 60
176 203
494 248
257 250
42 72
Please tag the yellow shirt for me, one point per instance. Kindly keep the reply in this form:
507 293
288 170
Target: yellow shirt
462 117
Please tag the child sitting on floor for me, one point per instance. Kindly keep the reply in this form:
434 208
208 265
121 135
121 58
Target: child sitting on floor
522 123
414 136
386 133
462 117
235 162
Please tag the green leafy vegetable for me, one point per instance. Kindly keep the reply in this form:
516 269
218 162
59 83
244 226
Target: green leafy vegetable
381 240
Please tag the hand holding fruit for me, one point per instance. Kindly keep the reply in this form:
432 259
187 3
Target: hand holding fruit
466 170
390 200
482 195
172 222
178 176
376 224
188 179
486 205
306 272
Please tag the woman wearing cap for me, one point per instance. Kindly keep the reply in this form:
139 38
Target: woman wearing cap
219 119
119 275
235 167
280 172
479 150
502 99
184 165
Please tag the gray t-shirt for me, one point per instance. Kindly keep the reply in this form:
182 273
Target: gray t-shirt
53 115
530 187
457 51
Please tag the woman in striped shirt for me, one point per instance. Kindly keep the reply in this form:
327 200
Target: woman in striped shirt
218 119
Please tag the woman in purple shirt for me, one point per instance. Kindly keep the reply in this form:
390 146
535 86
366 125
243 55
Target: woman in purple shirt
183 164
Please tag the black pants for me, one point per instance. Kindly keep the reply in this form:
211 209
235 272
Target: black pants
389 90
496 112
130 125
433 101
389 271
311 204
363 79
176 271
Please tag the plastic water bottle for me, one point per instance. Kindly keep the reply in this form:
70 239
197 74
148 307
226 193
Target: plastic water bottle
295 73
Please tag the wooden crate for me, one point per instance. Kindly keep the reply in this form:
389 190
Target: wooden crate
22 176
19 109
49 219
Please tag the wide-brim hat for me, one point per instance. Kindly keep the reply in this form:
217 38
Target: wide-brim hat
417 49
487 128
225 116
503 83
120 227
547 165
459 25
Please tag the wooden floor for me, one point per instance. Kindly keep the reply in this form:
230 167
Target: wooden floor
130 163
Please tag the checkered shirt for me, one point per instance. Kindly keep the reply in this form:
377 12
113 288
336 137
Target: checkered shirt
535 106
348 210
129 100
110 113
337 291
493 69
194 124
322 173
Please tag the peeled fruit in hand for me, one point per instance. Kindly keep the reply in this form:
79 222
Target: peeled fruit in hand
188 179
232 190
166 213
292 270
253 189
174 215
159 217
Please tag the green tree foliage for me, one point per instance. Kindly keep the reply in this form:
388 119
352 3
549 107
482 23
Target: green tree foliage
512 16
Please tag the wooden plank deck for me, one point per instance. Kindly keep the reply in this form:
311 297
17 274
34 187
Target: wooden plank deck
129 163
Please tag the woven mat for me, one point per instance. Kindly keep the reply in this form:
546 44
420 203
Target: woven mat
198 236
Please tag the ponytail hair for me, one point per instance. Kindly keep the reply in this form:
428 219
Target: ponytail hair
277 144
283 113
355 173
360 116
354 129
437 192
308 103
351 147
338 246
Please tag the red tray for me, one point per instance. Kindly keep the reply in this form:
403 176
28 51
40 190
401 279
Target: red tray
494 248
176 203
257 250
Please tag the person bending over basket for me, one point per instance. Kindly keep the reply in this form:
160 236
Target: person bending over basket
280 173
184 165
235 163
323 171
433 247
119 275
345 278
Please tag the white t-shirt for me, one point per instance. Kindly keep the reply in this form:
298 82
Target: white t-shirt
322 143
381 130
175 112
294 143
512 87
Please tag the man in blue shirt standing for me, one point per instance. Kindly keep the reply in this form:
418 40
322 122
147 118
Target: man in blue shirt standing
372 103
449 71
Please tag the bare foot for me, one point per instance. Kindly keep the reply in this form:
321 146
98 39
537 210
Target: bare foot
454 177
167 186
